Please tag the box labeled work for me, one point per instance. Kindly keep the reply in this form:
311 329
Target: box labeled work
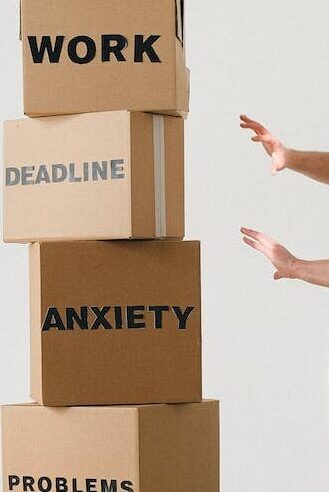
155 448
81 56
115 322
112 175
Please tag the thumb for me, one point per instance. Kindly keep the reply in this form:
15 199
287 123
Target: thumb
274 168
278 276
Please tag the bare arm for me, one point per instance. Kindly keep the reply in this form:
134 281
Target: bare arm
313 272
315 165
286 264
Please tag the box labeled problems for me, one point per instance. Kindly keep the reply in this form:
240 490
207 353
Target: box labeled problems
81 57
162 448
112 175
115 322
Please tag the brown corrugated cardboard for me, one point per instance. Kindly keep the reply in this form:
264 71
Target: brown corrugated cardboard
115 322
112 175
81 56
156 448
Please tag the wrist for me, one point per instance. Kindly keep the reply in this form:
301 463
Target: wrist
298 269
290 157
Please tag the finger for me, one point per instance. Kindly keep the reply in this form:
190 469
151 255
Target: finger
278 276
246 119
259 236
252 244
259 129
248 126
265 138
245 125
255 235
274 169
253 124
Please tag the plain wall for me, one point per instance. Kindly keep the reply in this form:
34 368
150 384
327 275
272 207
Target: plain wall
265 342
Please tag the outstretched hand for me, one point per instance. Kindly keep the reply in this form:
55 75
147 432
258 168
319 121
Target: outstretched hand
280 257
271 144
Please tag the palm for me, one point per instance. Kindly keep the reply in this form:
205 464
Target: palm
271 144
278 255
281 258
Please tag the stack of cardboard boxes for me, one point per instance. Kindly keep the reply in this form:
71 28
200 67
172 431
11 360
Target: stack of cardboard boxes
115 324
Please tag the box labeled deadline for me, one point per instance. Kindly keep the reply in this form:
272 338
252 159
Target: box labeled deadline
115 322
112 175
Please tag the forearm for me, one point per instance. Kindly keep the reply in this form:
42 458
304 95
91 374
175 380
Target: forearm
315 165
313 272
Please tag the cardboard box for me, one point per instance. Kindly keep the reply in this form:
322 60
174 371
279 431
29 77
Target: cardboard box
155 448
112 175
81 56
115 322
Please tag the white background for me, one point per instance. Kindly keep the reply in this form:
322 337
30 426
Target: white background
265 342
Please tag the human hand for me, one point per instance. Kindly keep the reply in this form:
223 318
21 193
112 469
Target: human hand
280 257
271 144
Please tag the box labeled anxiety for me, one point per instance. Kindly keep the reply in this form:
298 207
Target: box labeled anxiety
115 322
106 55
155 448
112 175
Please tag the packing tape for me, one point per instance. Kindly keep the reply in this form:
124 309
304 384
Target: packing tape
159 176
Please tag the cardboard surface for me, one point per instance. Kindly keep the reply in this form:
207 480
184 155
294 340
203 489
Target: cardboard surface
143 350
156 448
93 176
112 55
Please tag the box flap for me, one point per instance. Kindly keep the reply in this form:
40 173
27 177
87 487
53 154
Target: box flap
20 21
180 20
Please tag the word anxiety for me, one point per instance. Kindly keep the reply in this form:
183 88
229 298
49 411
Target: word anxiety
115 317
